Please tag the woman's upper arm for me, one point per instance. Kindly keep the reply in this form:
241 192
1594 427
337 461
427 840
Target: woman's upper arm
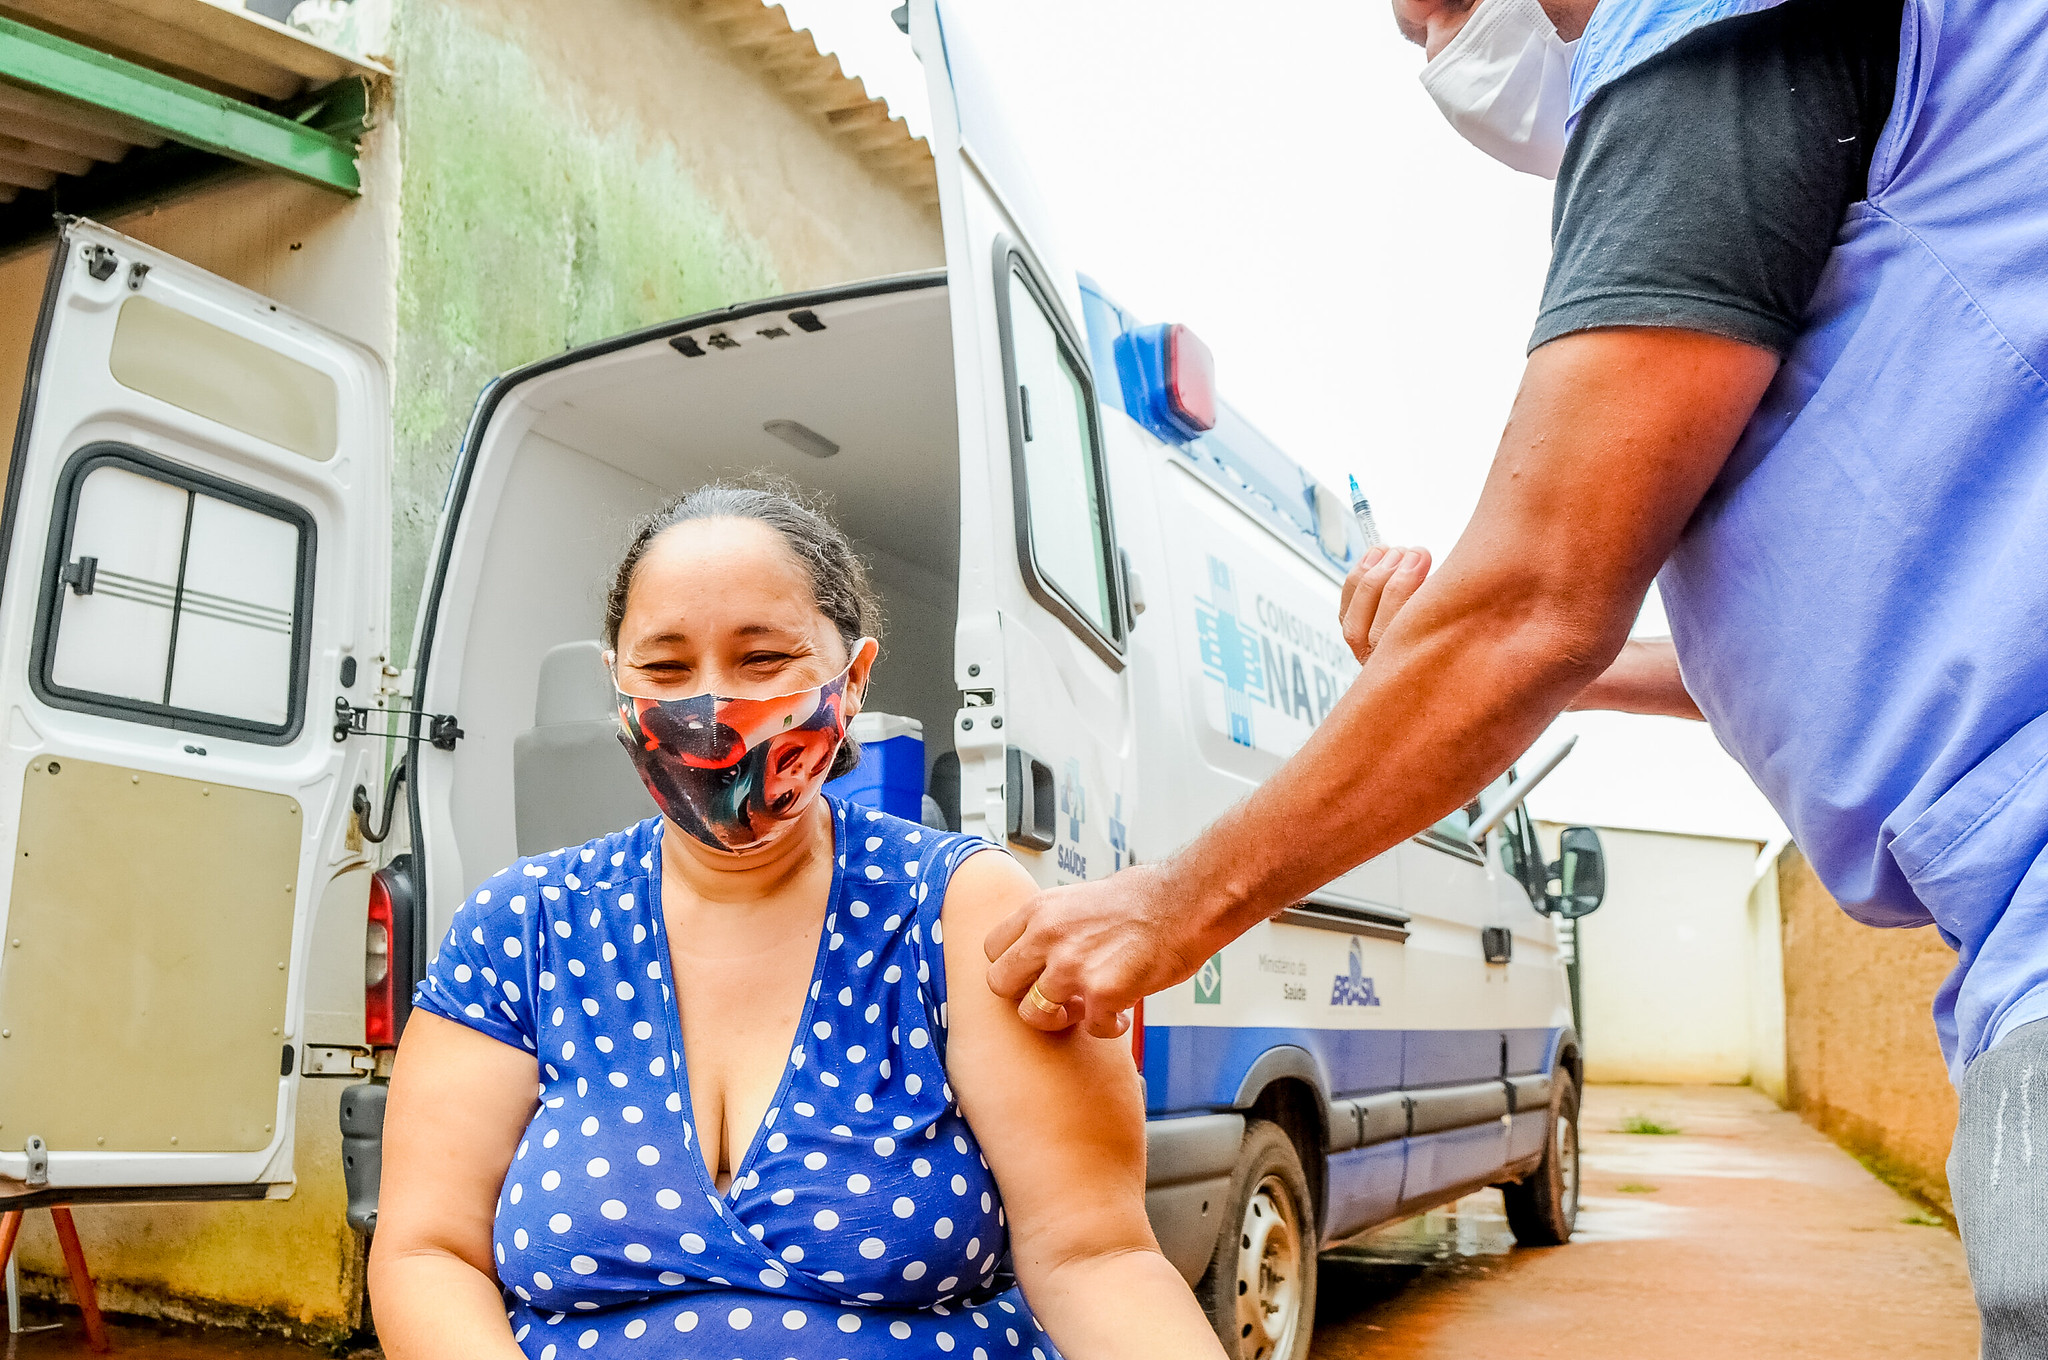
466 1080
1060 1117
458 1104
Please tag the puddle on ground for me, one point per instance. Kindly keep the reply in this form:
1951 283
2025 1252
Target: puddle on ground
1648 1158
1476 1225
1630 1218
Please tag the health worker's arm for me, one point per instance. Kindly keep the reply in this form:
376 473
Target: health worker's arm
1613 440
1643 679
459 1102
1061 1119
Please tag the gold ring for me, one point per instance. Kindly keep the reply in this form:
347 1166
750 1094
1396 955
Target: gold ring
1037 998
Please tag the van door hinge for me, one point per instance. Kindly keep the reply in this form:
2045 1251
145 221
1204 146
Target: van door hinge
38 1163
336 1060
350 721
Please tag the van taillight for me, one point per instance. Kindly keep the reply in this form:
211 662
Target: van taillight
380 1024
1138 1034
388 972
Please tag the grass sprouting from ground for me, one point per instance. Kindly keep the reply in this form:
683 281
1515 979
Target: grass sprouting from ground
1910 1186
1636 1188
1643 1124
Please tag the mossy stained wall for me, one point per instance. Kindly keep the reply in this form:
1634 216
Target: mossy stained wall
578 168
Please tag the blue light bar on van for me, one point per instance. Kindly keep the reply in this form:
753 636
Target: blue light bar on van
1169 381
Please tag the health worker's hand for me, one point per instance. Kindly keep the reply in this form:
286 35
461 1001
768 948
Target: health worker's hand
1094 950
1384 580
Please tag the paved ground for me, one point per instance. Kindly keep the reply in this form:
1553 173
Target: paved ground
1746 1233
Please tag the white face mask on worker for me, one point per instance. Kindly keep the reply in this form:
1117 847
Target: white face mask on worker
1505 84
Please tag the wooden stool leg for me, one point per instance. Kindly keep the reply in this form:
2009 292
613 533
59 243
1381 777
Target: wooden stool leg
10 1228
81 1282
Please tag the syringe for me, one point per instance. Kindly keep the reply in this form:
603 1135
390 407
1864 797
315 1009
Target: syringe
1361 509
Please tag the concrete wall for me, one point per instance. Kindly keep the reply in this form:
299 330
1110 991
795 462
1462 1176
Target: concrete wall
1862 1064
1767 983
1666 965
578 168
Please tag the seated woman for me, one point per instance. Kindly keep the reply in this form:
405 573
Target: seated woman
765 1125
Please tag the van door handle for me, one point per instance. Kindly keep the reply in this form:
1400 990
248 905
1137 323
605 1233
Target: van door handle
82 575
1030 797
1134 590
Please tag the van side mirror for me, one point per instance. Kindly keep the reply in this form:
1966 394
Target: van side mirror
1580 873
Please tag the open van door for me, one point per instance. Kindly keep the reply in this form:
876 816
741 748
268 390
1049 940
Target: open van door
195 546
1044 736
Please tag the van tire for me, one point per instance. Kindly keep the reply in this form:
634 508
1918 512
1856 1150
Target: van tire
1544 1208
1265 1252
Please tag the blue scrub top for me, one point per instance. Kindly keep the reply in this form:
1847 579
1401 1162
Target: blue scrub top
1861 603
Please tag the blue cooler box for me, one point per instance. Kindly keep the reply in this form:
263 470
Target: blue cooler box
890 775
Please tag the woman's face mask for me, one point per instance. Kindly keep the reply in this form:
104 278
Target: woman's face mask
738 774
1504 82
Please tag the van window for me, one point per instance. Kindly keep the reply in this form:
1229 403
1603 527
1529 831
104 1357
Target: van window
175 598
1066 504
1454 833
242 384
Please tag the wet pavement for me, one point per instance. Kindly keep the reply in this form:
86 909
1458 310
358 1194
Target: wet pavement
155 1340
1744 1233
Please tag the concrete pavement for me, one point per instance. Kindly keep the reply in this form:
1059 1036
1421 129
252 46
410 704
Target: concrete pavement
1746 1233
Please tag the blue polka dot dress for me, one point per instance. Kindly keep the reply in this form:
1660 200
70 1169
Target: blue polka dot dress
862 1222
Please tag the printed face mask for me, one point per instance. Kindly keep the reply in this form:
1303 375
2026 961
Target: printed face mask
737 773
1505 84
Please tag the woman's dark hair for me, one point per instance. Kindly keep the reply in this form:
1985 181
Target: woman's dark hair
839 579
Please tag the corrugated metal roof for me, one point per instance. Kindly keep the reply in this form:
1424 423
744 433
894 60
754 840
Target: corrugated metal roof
218 47
790 56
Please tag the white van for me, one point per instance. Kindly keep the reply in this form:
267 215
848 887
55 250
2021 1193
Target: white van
1108 622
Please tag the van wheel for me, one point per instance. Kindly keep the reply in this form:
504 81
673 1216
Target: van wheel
1260 1288
1544 1209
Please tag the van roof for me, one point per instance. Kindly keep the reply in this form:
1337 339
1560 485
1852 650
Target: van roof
1248 467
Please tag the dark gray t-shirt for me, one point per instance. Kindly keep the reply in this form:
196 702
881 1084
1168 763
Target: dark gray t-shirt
1703 190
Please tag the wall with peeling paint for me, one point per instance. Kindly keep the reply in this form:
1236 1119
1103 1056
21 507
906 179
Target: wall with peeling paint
578 168
1861 1061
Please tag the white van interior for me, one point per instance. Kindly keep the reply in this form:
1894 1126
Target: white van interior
851 399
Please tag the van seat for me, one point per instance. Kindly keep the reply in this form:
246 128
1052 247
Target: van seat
942 791
571 780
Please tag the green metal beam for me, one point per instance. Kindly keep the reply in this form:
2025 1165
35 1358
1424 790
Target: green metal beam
182 112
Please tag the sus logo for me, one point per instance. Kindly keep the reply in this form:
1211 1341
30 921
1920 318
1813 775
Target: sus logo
1073 799
1354 988
1209 982
1230 652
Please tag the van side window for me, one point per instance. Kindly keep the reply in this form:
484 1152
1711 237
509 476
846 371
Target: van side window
1054 431
1454 833
175 598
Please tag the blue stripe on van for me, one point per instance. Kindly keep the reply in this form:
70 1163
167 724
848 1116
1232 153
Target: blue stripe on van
1200 1067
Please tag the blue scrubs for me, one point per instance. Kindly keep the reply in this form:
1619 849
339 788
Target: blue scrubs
1861 603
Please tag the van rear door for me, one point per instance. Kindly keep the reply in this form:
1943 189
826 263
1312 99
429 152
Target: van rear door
194 544
1040 656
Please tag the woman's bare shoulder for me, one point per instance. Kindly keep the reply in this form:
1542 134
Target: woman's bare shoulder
987 886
